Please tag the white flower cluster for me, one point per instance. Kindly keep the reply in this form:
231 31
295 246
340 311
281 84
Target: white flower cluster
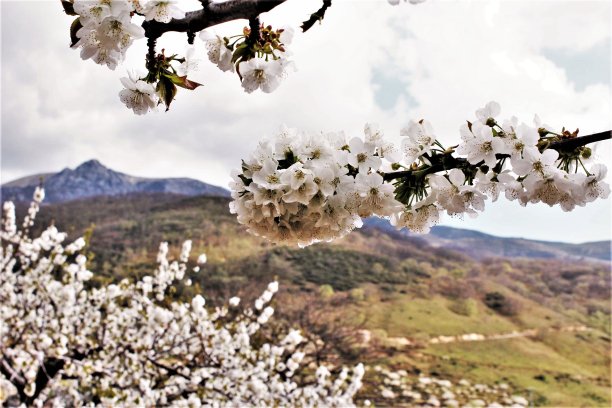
531 174
130 344
301 188
142 96
501 158
256 73
107 29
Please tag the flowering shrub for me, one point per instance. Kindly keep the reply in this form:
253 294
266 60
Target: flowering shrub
126 344
301 188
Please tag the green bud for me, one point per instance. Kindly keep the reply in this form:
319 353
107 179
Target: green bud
543 132
490 122
395 166
586 152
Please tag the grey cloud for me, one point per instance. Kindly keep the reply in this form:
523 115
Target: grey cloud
584 68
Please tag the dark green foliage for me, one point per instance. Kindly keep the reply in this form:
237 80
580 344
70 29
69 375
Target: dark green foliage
501 304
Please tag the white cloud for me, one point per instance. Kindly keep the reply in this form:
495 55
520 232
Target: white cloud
454 55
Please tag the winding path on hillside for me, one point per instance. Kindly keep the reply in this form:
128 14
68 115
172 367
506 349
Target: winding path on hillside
471 337
503 336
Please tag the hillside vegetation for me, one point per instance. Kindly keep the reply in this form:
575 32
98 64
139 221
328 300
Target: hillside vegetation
400 290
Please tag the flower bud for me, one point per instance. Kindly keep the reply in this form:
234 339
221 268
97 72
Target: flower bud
586 152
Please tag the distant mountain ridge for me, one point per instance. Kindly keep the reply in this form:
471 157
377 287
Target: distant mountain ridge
92 178
479 245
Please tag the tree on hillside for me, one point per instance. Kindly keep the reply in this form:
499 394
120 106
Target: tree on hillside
64 343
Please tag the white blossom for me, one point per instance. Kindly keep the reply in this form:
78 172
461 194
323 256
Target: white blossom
218 53
594 186
191 63
418 140
265 75
490 111
162 10
138 95
482 146
536 164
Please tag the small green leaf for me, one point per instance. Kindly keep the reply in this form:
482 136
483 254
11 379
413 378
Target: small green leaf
166 91
74 28
182 81
242 52
68 7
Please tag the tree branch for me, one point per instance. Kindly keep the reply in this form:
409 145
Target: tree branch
46 372
11 374
571 144
316 16
449 162
211 15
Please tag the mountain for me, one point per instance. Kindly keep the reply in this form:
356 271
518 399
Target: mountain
479 245
92 178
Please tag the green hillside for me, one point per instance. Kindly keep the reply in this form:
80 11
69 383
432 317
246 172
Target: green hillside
404 293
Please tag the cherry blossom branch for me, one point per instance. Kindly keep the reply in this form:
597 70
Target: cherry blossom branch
212 14
9 372
448 162
170 370
342 180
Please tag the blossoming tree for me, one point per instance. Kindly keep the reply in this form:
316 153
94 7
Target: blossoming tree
63 342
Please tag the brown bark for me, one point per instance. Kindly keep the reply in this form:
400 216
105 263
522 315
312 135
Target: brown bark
211 14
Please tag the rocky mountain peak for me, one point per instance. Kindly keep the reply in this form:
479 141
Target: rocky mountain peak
90 165
92 178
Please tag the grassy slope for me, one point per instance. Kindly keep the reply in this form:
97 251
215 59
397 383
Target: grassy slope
574 366
411 290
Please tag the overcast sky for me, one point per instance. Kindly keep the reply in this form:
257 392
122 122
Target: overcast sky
367 62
